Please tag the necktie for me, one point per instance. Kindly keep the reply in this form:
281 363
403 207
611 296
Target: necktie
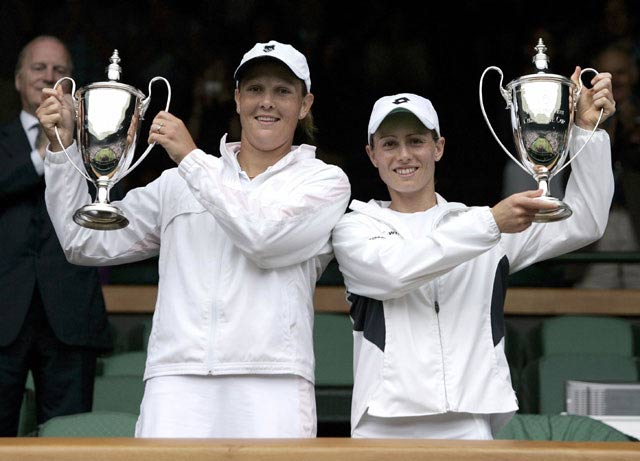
41 138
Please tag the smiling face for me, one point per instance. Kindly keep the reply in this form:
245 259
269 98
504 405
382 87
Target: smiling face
44 62
404 152
270 101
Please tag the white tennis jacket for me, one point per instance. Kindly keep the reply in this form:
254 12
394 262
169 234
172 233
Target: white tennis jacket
238 260
428 312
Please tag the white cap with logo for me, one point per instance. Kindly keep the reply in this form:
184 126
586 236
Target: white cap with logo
283 52
403 102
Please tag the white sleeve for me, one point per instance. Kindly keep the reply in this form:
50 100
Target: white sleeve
589 193
272 232
66 191
382 267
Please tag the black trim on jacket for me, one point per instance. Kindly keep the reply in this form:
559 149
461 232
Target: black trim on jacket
498 296
368 317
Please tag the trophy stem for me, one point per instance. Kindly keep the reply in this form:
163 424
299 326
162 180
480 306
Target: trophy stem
541 175
563 211
102 193
543 183
101 215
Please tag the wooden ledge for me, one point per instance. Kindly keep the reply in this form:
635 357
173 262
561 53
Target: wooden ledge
575 301
320 449
140 299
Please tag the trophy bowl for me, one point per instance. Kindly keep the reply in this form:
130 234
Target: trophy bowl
542 108
542 118
108 116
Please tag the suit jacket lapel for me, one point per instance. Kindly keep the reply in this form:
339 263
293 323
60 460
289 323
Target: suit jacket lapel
14 139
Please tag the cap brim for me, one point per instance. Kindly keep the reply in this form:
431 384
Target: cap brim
242 68
399 110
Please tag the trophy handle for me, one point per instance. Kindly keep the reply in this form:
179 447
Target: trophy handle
144 106
55 128
507 97
588 69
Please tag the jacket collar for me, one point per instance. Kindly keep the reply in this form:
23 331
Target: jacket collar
375 209
229 152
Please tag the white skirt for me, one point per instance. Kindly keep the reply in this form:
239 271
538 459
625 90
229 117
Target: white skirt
459 426
236 406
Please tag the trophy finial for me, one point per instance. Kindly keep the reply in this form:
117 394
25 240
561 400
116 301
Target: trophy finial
541 60
114 70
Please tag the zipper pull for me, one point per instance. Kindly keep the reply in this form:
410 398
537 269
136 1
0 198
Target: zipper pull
437 305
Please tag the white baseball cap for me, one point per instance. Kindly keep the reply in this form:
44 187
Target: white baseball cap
403 102
291 57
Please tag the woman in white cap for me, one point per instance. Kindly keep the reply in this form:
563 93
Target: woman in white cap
426 278
241 238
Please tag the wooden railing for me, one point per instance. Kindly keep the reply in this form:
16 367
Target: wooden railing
320 449
521 301
140 299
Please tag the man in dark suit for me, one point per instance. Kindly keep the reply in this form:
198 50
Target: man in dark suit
52 315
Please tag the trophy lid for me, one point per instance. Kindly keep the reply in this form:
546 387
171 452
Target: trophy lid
541 60
113 69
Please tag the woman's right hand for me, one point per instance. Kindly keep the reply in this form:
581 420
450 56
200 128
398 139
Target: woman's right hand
56 110
517 212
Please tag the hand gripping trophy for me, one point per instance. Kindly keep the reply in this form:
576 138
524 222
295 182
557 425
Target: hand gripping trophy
108 116
542 117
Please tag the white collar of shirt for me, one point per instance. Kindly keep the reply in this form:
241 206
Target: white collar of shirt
28 122
229 152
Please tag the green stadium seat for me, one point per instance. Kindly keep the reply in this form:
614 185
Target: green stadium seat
125 363
27 424
559 428
581 334
92 424
333 344
544 379
119 393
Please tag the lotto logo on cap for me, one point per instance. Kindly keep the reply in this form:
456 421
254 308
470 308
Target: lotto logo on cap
283 52
403 102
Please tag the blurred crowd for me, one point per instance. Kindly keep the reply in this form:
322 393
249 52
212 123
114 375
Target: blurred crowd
355 54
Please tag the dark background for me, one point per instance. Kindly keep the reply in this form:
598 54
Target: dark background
357 52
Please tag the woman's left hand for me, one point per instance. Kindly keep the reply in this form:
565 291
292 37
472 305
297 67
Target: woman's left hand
172 134
592 100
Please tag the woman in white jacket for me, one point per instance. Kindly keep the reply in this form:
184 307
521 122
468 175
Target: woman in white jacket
426 279
241 238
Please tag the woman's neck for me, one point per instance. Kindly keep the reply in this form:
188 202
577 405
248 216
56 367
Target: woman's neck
412 203
254 162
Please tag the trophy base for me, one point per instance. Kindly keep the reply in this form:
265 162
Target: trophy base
562 212
100 216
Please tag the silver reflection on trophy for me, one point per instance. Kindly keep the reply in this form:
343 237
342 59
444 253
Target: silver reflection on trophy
542 107
108 116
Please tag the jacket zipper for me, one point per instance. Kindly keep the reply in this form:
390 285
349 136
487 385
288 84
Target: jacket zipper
434 282
214 312
444 374
437 309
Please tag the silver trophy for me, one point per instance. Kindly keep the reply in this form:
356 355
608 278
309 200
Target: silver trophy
542 118
108 116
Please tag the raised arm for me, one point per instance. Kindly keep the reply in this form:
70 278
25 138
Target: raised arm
589 191
67 191
271 230
383 265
